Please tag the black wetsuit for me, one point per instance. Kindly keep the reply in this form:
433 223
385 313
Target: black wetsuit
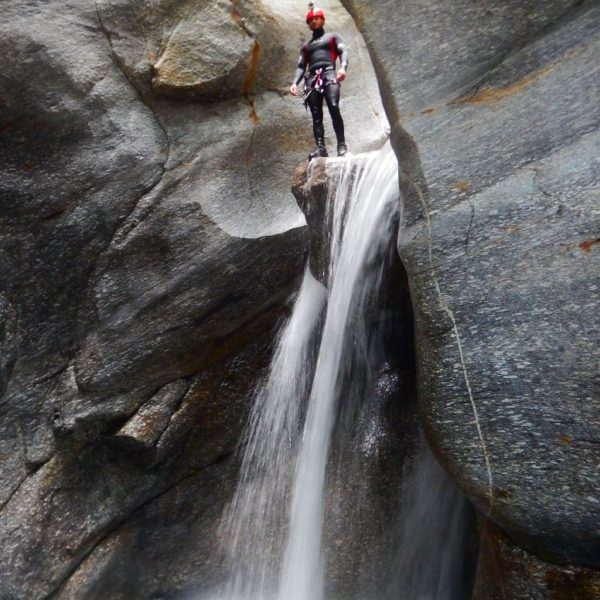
321 52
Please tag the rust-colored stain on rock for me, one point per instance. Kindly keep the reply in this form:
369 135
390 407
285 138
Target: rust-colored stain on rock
566 439
249 81
505 569
463 186
251 74
236 17
504 494
253 114
184 165
568 584
589 244
489 94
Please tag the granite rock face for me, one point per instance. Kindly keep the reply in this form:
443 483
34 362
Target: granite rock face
507 571
313 185
149 246
495 121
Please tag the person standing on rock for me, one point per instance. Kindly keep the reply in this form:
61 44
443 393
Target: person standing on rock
318 56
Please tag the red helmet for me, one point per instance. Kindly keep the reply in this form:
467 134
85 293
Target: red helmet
314 12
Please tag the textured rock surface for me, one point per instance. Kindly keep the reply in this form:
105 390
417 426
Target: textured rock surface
495 120
506 571
312 185
149 245
149 241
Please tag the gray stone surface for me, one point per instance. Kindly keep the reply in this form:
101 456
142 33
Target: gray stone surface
506 571
426 52
495 114
149 244
312 185
145 428
96 521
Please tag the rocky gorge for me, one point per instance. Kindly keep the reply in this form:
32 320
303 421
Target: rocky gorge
151 244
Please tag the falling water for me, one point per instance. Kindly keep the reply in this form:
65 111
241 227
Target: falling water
432 557
273 531
354 276
255 523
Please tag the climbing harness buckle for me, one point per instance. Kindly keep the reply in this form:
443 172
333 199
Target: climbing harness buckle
318 84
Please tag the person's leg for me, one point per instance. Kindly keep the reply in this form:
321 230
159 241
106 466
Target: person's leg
332 97
315 104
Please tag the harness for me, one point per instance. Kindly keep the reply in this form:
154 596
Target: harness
318 84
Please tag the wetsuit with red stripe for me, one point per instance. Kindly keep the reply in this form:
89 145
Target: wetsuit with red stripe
320 54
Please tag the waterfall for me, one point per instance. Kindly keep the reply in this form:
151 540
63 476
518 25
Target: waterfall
317 399
255 522
354 277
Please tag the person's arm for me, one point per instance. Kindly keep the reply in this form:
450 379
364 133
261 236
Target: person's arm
342 52
299 71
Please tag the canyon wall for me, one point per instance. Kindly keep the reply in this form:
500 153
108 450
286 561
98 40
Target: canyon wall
495 122
150 244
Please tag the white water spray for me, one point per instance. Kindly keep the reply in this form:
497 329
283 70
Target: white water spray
433 530
256 521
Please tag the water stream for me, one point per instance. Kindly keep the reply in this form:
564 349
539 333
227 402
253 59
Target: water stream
321 377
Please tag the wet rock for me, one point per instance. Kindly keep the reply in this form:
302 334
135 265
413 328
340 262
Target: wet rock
312 185
506 571
162 529
8 347
82 513
310 191
379 442
496 127
143 430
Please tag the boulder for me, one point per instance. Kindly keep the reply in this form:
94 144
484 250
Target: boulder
495 122
313 186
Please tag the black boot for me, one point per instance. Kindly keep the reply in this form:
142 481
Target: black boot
320 150
342 149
